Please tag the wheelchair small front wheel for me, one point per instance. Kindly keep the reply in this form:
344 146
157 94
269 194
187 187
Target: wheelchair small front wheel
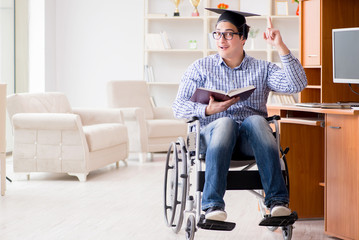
191 227
272 228
287 232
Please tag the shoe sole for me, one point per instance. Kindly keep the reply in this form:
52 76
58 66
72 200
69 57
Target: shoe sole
216 216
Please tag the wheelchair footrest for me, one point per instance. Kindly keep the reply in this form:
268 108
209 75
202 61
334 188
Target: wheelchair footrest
215 225
279 221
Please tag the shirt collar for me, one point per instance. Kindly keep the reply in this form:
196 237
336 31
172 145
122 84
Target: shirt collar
242 66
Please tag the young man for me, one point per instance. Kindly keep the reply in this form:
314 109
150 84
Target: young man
223 124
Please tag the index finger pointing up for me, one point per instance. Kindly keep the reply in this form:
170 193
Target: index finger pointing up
269 23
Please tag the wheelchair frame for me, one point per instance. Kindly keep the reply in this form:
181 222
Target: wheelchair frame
180 200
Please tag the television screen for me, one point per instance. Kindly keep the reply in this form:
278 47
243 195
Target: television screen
346 55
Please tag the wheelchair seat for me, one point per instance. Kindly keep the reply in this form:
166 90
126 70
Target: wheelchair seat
237 160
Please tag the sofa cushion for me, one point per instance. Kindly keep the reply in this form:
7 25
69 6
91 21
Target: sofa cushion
165 128
101 136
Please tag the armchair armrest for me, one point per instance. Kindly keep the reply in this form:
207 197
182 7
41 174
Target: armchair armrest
163 113
98 116
46 121
135 121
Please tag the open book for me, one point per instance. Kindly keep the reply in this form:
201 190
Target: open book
201 95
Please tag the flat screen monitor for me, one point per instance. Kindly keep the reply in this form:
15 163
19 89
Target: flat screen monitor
346 55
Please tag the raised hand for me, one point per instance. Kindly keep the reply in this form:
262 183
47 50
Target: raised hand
273 37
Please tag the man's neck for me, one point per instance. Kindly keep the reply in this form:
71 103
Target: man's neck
234 62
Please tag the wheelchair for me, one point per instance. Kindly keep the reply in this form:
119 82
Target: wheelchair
182 199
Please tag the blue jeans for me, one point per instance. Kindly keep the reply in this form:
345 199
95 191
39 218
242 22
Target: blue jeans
254 137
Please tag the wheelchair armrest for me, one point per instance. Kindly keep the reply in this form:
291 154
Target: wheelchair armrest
192 119
272 118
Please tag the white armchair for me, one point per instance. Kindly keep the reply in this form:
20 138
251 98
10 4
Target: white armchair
50 136
151 129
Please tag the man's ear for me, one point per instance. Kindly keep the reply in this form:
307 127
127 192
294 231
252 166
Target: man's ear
243 40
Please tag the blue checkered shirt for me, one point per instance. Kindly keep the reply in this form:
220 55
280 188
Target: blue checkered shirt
212 72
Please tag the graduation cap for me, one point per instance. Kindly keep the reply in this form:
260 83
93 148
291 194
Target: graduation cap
237 18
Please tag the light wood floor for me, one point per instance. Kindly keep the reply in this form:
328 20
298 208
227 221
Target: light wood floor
117 203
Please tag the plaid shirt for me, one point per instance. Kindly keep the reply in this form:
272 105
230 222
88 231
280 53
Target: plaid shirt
212 72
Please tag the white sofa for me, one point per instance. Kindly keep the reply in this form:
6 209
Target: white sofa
50 136
151 129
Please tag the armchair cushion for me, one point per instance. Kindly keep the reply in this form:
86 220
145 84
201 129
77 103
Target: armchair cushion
165 128
101 136
99 116
163 113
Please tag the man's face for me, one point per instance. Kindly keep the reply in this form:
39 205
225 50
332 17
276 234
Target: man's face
229 48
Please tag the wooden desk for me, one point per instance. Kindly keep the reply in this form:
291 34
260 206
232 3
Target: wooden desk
2 138
323 164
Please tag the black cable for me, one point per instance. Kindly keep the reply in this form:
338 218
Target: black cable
350 85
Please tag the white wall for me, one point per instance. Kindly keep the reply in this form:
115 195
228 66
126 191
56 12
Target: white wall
96 41
50 45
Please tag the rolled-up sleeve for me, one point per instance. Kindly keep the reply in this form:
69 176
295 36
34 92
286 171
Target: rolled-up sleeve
290 79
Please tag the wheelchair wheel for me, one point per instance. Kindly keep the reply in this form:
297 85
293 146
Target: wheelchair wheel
191 227
175 185
286 175
287 232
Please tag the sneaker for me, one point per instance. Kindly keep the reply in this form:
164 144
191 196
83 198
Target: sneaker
216 213
280 210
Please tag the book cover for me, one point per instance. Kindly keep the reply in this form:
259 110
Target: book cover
201 95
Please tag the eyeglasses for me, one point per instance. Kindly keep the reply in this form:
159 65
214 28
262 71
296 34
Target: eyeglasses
226 35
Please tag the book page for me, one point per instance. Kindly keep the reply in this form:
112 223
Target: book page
214 90
234 92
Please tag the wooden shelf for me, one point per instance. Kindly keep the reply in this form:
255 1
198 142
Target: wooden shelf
307 66
174 50
175 18
314 86
264 17
304 121
285 17
292 49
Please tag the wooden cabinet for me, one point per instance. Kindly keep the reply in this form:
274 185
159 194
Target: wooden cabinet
306 168
326 157
317 19
342 176
303 133
310 29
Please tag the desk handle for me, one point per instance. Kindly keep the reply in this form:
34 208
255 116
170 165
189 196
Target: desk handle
335 127
312 55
